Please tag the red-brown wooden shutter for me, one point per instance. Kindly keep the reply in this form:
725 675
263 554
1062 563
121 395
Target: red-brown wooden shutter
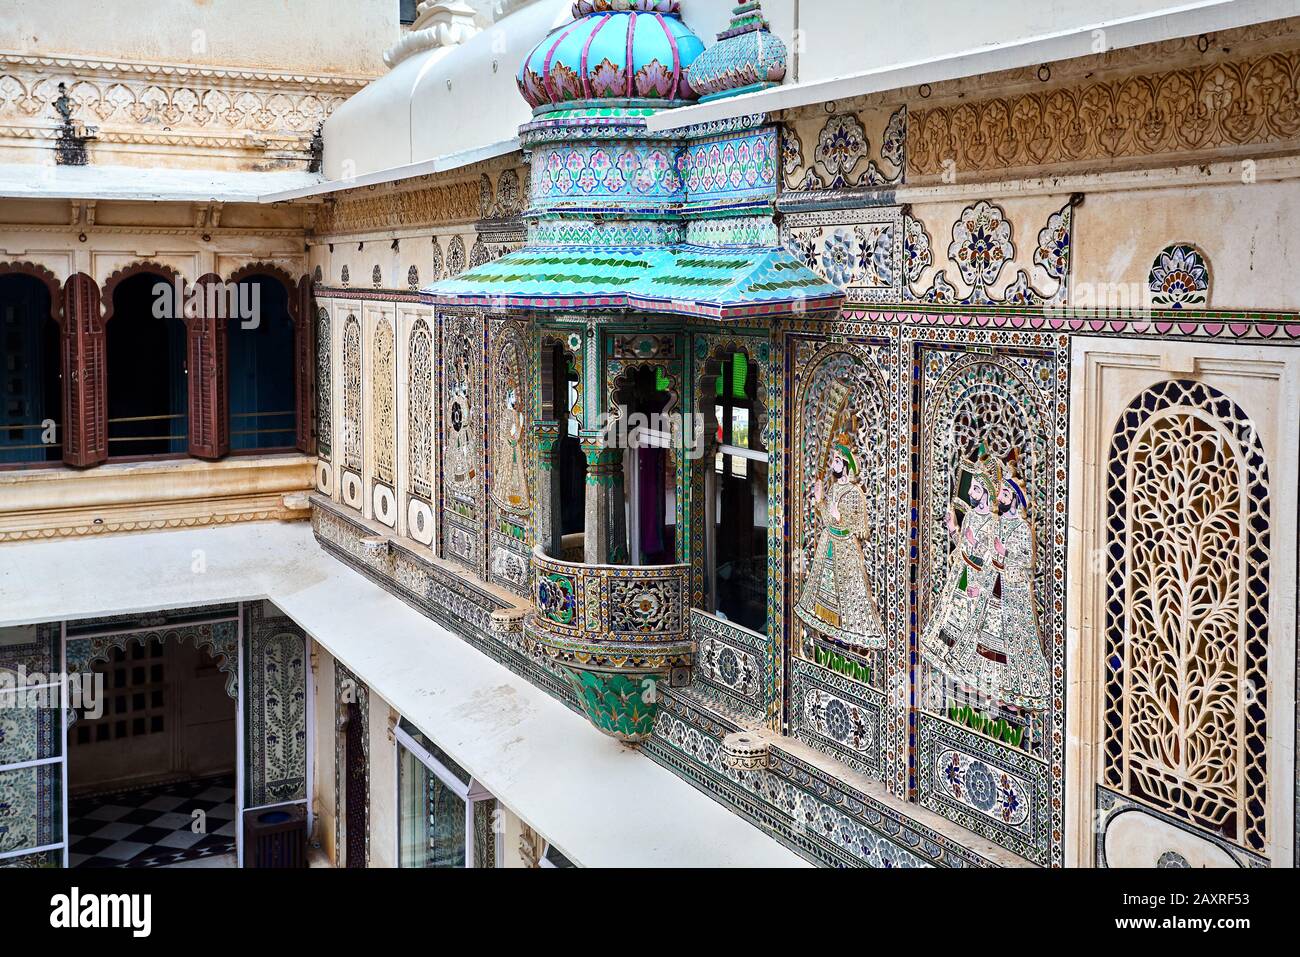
208 370
85 374
304 342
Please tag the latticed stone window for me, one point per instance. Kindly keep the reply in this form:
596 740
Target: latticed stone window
1187 615
383 407
352 393
420 409
324 385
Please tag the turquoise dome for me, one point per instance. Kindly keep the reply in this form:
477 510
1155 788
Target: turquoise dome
747 57
613 49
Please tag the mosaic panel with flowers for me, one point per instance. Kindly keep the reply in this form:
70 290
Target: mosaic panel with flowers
460 427
510 457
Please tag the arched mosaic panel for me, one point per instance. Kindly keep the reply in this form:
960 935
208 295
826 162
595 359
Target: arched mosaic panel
435 261
840 560
984 561
419 409
275 719
352 393
324 385
510 424
462 438
1186 670
840 491
510 533
383 403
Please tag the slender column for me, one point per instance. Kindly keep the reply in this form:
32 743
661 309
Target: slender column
547 514
605 541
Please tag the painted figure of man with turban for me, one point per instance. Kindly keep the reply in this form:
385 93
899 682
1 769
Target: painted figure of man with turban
837 598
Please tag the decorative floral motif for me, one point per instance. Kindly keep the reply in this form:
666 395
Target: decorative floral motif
839 257
455 256
419 409
383 409
917 256
324 385
842 159
981 244
352 435
1180 278
841 147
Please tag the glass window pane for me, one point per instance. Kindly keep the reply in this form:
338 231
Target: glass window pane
29 730
442 757
33 648
431 822
31 808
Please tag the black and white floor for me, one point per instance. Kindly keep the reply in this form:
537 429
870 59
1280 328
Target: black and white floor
153 827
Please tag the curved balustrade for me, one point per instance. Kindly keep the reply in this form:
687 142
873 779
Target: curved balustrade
614 632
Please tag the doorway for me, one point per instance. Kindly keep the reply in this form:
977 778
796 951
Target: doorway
151 759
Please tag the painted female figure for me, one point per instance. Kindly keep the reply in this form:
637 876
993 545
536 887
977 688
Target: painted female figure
1011 660
962 608
983 633
510 481
837 598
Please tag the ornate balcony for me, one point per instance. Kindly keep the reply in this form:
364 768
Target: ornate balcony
614 632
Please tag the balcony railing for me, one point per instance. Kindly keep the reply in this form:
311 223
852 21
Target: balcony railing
614 632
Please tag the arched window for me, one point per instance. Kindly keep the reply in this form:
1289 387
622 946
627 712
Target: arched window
31 427
324 386
738 572
352 394
419 410
146 376
1187 628
260 346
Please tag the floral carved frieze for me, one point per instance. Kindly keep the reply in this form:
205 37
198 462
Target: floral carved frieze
452 203
1247 102
149 104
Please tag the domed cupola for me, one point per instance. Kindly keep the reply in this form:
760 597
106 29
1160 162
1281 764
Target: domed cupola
634 51
747 57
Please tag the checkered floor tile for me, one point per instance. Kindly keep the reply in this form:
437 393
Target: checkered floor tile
153 827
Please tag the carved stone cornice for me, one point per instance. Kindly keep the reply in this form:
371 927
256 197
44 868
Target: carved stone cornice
450 203
437 25
154 107
178 71
1210 108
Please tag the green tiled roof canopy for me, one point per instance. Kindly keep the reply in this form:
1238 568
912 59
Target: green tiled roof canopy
679 280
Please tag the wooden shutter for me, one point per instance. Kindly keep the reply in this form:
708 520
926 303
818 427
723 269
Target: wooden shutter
208 370
304 346
85 374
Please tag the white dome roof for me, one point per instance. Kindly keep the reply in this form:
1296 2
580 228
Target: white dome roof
442 100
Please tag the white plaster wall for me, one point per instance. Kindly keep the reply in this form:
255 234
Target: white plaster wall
383 784
442 101
308 36
842 37
1246 230
323 796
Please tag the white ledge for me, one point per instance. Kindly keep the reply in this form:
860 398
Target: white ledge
439 164
144 184
598 802
1188 19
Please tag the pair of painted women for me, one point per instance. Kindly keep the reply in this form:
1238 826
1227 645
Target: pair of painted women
982 633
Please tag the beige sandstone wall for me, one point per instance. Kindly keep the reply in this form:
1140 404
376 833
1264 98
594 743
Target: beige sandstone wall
307 36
